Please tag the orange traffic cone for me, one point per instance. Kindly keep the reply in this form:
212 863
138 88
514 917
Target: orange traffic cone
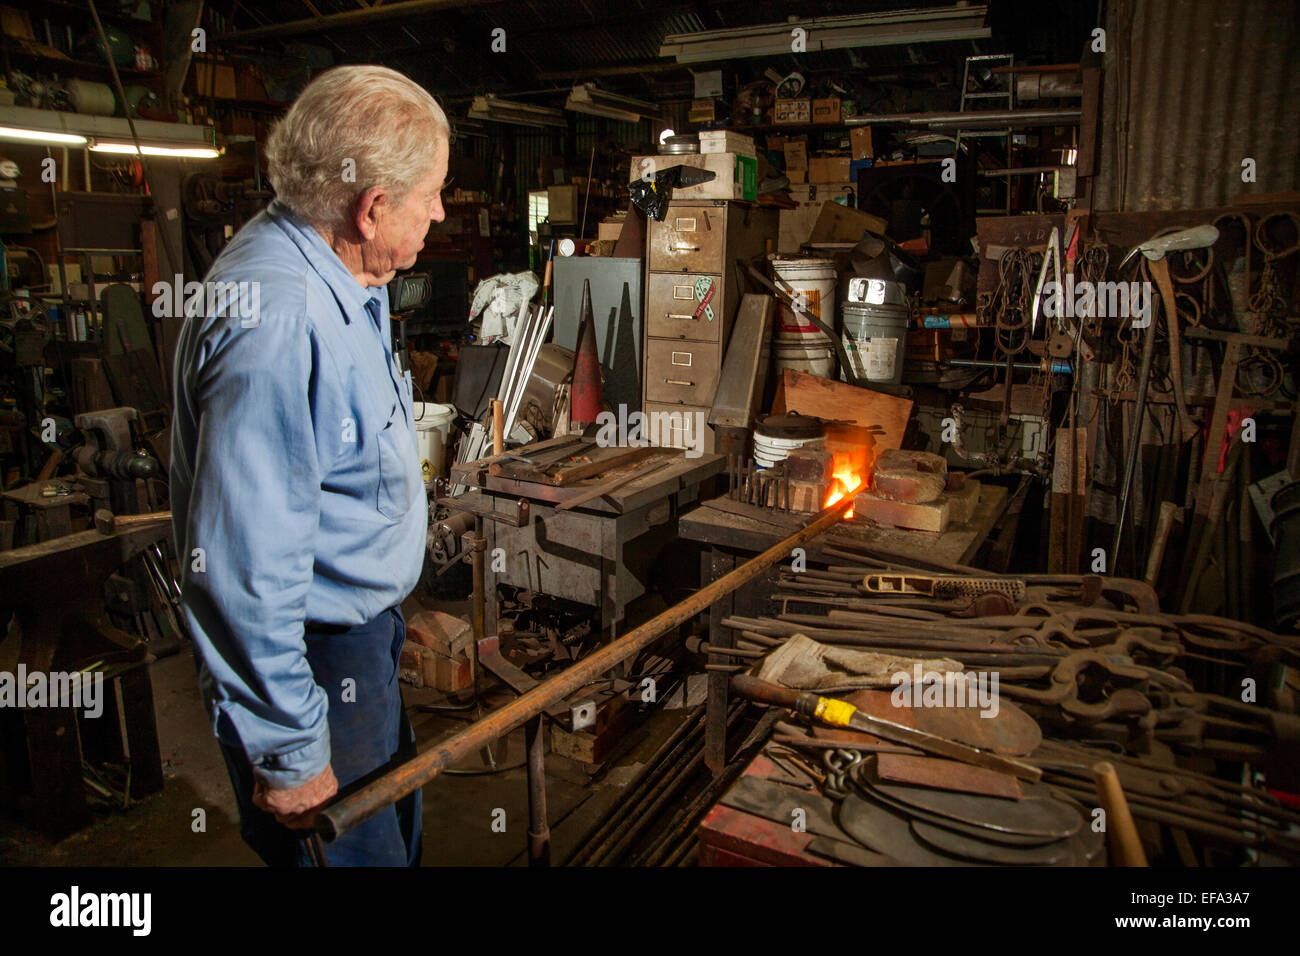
588 398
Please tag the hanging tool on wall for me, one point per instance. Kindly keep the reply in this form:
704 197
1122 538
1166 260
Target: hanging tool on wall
1154 250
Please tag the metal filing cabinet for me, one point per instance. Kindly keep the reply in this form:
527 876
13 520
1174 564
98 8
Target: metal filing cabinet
692 293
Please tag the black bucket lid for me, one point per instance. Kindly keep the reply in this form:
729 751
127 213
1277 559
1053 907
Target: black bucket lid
791 425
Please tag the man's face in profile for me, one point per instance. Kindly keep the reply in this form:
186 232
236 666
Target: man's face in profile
402 227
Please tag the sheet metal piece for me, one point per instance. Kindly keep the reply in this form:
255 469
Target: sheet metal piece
1011 732
1061 852
940 774
884 831
775 801
1037 814
850 854
981 833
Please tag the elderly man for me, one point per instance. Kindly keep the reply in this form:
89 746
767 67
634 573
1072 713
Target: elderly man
299 508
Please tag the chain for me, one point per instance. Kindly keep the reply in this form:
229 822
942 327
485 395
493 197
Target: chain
838 763
1012 300
1261 373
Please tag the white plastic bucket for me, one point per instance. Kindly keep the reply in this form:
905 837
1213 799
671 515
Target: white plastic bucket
432 430
875 338
816 360
768 450
814 280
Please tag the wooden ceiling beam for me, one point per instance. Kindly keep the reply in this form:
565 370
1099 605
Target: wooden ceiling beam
351 19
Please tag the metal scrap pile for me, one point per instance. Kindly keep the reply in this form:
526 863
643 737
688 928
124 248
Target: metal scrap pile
1196 714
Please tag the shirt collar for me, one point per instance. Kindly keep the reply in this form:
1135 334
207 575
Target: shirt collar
352 298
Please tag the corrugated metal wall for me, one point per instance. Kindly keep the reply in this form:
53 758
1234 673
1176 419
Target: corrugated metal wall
1193 87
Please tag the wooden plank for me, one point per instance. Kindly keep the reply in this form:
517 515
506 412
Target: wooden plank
885 415
1069 481
611 484
141 732
1218 429
532 451
680 474
957 545
569 474
1086 160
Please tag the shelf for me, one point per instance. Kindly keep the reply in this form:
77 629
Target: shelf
68 65
78 12
788 128
252 106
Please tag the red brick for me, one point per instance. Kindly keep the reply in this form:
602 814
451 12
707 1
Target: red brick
440 632
810 464
930 516
911 476
903 459
911 486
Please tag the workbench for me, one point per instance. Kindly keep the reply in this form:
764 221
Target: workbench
52 515
583 554
55 591
732 539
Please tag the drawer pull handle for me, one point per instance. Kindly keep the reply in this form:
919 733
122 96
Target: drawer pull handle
680 315
673 381
683 247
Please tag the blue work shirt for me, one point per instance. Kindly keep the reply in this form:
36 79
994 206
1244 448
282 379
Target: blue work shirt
295 484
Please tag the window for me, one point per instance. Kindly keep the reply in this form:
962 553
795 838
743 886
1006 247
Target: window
539 207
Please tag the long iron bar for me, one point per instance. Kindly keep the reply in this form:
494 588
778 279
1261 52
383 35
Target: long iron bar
638 787
357 807
668 760
634 823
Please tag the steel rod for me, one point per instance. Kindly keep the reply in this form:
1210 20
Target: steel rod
671 750
1135 440
539 831
355 808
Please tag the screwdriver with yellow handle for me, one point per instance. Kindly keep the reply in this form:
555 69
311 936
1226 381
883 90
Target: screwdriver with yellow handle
840 713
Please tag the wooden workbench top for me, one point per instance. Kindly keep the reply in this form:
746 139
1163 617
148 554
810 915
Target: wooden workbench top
682 472
957 545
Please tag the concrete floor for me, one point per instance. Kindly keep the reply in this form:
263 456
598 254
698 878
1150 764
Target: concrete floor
458 810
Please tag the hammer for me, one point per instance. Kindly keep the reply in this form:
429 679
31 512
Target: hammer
108 523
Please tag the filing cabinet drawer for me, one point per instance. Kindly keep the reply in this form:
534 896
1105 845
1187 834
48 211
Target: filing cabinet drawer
690 239
680 426
682 373
684 306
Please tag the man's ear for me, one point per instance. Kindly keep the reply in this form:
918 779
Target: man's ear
370 204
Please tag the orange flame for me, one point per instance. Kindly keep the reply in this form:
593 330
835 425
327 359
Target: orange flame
845 477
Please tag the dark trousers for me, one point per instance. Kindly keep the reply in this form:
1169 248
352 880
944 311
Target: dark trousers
369 734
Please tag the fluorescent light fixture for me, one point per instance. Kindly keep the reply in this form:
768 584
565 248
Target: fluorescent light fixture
517 114
895 28
464 126
106 133
175 152
587 98
41 136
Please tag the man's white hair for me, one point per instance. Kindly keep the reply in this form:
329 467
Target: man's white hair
351 129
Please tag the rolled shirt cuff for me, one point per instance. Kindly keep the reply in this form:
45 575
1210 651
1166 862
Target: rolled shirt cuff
289 770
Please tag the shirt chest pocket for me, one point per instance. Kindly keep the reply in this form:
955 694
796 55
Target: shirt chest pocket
397 473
